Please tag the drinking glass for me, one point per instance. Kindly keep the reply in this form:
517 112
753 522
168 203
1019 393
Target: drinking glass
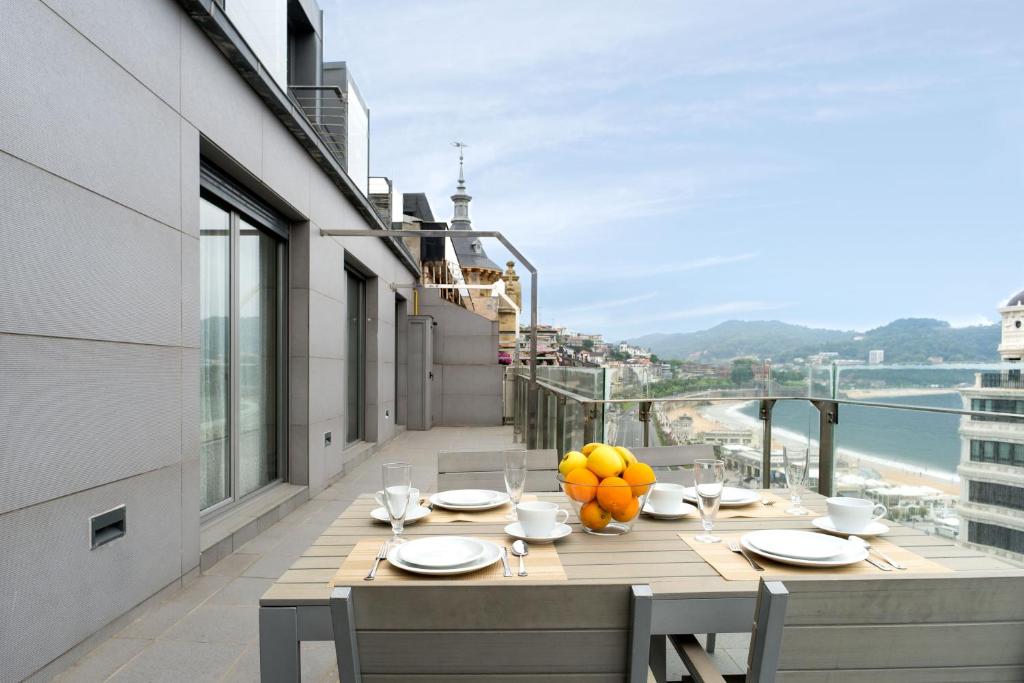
708 481
397 495
515 480
797 461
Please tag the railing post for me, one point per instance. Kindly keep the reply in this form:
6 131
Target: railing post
532 419
542 419
560 425
766 442
828 418
645 418
589 422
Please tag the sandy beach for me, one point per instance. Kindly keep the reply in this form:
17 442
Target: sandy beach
729 414
872 394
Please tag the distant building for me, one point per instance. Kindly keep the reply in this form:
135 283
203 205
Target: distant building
723 437
876 357
992 449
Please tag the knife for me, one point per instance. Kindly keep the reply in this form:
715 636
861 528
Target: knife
504 561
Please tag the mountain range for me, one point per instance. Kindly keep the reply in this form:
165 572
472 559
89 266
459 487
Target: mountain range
908 340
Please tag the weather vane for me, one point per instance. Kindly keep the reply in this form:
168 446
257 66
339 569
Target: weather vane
461 146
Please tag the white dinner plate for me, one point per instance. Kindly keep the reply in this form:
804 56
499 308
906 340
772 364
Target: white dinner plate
852 554
681 511
492 553
732 497
441 552
872 529
800 545
515 530
464 497
501 499
413 515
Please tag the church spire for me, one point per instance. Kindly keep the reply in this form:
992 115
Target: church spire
460 219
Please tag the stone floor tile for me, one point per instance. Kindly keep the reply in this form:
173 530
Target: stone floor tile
233 565
270 566
168 661
218 624
241 591
104 660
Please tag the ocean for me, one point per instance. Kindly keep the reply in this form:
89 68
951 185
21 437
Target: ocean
926 440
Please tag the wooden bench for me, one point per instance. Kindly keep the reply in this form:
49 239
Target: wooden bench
938 628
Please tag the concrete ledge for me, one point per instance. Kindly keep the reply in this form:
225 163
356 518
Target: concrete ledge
226 533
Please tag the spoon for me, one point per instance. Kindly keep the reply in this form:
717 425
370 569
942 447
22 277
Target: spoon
520 550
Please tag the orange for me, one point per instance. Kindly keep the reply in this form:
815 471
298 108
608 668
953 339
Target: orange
604 461
593 516
628 512
590 446
581 485
614 494
640 476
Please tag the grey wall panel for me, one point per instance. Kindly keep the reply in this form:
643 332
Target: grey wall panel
327 265
189 403
286 165
326 326
189 291
190 504
96 120
217 101
57 591
78 265
143 37
326 389
77 414
189 179
468 411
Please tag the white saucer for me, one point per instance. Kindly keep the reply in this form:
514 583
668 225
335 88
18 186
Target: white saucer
498 501
492 553
855 553
732 497
680 512
872 529
515 529
413 515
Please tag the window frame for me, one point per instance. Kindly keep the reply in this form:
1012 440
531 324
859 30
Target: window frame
218 189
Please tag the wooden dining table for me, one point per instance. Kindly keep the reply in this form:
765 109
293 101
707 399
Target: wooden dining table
579 628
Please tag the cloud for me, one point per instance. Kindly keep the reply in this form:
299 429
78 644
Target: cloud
643 271
730 307
605 304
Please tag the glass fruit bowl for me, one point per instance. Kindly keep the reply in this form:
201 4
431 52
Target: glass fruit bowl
605 507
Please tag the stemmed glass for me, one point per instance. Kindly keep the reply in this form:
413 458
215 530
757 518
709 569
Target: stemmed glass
515 480
397 496
797 464
708 480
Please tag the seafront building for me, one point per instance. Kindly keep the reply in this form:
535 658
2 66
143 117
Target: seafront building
992 449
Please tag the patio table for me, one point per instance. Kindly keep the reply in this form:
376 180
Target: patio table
420 622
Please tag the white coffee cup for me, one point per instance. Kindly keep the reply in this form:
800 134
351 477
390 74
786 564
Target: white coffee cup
853 514
665 497
539 518
414 499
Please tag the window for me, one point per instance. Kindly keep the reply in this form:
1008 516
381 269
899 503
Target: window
356 356
997 405
996 536
999 452
241 290
996 494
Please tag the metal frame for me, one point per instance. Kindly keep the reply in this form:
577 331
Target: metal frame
532 397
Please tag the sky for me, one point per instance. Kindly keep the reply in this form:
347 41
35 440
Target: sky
669 165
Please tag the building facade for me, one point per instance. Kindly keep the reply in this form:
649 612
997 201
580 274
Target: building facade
184 357
992 449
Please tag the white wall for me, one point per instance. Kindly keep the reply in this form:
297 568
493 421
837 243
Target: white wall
264 23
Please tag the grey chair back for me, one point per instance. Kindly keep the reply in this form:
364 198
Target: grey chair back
486 470
937 628
669 461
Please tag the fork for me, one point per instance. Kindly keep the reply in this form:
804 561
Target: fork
735 547
767 502
381 554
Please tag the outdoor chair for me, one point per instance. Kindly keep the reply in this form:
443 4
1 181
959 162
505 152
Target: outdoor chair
933 629
486 470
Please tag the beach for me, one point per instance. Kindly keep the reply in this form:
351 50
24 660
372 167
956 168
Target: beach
728 415
873 394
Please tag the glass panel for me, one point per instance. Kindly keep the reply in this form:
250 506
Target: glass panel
356 367
214 354
257 358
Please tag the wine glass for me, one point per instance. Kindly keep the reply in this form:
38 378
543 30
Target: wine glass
797 464
708 480
397 495
515 480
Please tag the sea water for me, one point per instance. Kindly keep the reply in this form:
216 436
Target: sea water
919 439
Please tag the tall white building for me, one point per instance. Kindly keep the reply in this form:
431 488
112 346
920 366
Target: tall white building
876 357
992 449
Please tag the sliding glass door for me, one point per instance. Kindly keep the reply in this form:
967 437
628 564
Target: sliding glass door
355 356
241 345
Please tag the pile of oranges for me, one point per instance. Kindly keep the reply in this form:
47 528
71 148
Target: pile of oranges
607 481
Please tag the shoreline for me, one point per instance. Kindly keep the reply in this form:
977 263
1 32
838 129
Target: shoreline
860 394
890 470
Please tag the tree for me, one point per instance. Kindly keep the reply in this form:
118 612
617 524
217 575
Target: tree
654 358
588 344
742 371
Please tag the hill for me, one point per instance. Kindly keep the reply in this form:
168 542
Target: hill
908 340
